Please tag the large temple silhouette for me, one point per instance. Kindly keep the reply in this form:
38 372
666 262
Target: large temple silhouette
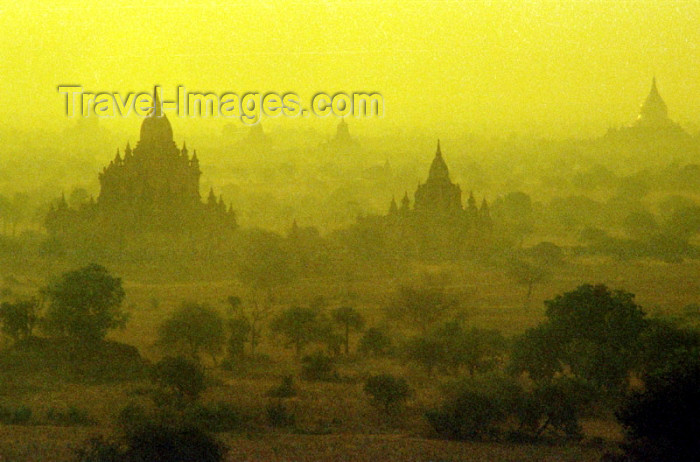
153 187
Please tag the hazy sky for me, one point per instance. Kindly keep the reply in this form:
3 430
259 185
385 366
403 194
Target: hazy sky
564 68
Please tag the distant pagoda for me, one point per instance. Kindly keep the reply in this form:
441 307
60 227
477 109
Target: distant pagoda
652 121
436 226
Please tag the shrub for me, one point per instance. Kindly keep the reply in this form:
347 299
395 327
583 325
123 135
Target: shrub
555 406
286 389
193 329
132 415
278 415
19 415
19 319
471 415
100 449
154 442
375 342
183 377
218 417
475 408
661 422
71 416
387 391
318 367
85 304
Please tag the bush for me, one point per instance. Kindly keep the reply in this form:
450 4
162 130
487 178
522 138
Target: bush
661 422
100 449
154 442
19 415
219 417
387 391
85 304
183 377
286 389
278 415
318 367
555 406
471 415
375 342
193 329
72 416
475 408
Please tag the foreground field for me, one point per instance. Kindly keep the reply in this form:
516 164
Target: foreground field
334 420
54 444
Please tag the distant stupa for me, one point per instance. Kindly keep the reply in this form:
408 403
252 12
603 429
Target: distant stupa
652 124
654 112
438 193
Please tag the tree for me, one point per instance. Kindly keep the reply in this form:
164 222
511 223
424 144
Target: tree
239 332
527 274
19 318
318 367
661 423
194 329
476 349
375 341
421 307
556 405
151 441
299 325
592 332
640 225
537 351
387 391
85 303
263 265
663 343
349 318
685 222
425 350
451 347
475 408
180 376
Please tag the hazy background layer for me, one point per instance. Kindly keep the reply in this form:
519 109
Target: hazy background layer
446 67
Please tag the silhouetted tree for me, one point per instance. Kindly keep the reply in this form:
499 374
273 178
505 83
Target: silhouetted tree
151 441
180 376
263 265
661 423
375 341
387 391
239 333
527 274
193 329
349 318
85 303
420 308
451 347
299 325
19 318
592 331
555 405
685 222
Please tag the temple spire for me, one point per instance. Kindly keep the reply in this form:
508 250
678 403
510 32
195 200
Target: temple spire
654 111
393 207
438 169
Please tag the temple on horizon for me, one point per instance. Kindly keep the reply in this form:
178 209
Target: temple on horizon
152 187
652 121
